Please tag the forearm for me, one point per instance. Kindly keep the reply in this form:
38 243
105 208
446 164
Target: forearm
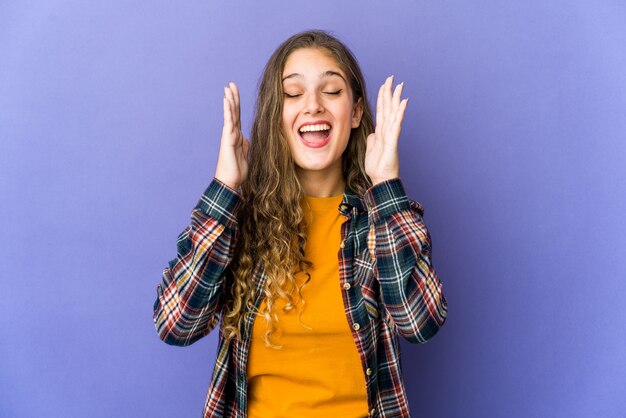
188 297
400 244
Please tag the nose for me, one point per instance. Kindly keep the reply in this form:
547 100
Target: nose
313 104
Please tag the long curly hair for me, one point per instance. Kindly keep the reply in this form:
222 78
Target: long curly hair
271 221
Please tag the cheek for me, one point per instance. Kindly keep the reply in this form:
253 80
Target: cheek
345 114
287 118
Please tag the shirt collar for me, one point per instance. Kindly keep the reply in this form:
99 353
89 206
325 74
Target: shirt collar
351 200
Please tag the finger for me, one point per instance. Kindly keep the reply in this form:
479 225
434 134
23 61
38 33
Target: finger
229 95
387 98
395 101
235 91
227 117
379 108
399 117
231 104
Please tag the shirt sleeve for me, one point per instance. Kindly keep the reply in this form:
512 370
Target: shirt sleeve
187 304
400 245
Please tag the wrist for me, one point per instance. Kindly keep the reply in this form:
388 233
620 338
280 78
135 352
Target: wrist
222 179
376 181
224 175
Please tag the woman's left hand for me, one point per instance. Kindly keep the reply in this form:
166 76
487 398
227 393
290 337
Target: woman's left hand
381 155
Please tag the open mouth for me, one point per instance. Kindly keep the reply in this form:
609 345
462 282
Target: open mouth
315 135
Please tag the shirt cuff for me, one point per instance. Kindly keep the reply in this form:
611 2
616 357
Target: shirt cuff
385 199
220 202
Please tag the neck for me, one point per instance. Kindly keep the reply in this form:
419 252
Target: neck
322 183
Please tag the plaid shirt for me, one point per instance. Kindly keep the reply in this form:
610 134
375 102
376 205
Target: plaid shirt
387 281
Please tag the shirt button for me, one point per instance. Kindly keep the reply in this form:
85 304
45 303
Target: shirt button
346 286
372 411
368 371
342 245
356 326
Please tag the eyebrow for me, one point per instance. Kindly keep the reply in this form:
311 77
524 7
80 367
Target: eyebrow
325 74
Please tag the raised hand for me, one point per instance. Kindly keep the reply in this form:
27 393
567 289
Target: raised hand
381 156
232 161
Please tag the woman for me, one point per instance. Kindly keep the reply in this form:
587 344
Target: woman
307 248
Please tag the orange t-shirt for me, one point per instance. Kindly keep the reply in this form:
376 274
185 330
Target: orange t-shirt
318 371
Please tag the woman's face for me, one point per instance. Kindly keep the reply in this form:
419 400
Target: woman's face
318 110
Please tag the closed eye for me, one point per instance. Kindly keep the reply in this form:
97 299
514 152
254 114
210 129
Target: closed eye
334 93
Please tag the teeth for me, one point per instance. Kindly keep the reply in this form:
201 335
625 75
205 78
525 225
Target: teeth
314 128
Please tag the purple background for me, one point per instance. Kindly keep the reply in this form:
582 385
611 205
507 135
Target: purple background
514 141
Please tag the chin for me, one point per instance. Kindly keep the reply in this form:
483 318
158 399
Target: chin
309 167
315 166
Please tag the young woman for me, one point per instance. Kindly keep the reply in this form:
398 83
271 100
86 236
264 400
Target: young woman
307 248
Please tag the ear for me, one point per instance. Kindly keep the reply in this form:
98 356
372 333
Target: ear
357 113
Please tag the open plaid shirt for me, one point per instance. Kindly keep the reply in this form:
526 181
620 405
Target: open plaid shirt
387 281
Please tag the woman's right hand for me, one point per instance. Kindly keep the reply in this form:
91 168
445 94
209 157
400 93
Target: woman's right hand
232 161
